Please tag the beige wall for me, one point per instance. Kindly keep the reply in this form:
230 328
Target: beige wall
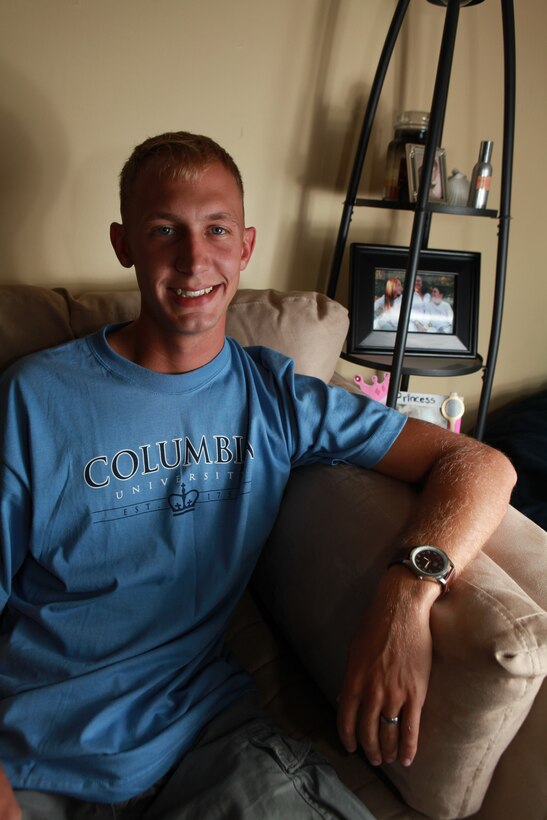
282 85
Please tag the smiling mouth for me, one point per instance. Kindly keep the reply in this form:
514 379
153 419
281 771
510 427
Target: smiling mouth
192 294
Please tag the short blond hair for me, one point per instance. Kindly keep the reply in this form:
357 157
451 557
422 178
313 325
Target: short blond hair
176 154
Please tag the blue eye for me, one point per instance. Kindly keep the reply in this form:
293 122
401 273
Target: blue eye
217 230
165 230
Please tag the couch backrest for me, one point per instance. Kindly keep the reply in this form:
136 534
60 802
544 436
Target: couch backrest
307 326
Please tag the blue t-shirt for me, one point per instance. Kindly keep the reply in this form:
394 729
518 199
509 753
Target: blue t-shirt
134 506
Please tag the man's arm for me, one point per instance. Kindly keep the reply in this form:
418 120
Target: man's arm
9 808
466 488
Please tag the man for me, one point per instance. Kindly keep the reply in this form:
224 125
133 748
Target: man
116 694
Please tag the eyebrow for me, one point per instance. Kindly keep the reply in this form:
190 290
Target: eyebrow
215 216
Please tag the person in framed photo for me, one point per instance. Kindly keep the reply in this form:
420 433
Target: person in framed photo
439 313
388 306
420 299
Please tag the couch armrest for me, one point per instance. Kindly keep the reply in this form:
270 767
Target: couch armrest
336 530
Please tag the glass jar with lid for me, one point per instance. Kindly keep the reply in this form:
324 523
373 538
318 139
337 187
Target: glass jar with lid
410 127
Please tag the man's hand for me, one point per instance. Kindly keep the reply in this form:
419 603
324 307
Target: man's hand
9 808
388 671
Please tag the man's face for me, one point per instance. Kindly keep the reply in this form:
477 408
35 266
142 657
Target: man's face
188 243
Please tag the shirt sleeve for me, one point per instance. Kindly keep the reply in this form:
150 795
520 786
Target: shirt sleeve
329 424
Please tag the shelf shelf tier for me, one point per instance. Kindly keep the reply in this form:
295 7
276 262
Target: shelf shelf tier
431 207
418 365
423 210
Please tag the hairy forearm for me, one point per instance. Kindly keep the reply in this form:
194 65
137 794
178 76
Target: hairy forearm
465 489
464 498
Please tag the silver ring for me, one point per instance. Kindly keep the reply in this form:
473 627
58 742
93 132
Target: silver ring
390 721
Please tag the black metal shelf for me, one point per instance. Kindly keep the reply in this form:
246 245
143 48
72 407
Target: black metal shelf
435 366
430 207
400 363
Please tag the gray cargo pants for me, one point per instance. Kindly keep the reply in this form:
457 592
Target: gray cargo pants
241 769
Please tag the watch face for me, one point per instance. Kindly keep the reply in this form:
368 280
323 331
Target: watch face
429 560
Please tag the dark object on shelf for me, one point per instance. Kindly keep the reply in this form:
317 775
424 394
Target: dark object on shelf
444 310
520 431
400 364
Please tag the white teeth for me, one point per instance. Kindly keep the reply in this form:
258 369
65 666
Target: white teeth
192 294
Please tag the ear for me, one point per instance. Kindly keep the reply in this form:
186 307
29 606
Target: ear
249 238
120 244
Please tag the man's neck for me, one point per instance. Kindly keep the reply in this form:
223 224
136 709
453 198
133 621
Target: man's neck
168 353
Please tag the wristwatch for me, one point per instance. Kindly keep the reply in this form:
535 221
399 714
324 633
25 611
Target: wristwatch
428 564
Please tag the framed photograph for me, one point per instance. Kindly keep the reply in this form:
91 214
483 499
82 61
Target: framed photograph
444 310
438 185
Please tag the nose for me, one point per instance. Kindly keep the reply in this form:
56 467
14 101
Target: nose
191 254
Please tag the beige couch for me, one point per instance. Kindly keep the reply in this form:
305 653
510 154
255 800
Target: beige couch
484 725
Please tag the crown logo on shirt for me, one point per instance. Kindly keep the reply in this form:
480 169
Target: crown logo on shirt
184 501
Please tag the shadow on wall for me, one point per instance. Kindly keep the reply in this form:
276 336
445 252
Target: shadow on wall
324 165
325 169
318 166
33 167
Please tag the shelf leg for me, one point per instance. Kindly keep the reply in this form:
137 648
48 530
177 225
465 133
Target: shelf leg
420 223
508 19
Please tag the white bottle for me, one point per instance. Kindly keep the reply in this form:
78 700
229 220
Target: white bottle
458 188
481 177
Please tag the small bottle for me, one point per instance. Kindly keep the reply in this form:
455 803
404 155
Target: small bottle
481 177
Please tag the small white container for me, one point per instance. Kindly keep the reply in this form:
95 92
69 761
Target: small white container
458 188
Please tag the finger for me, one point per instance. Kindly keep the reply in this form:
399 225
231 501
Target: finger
408 734
389 734
369 735
348 710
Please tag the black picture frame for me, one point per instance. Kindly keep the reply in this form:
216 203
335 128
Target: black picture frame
434 329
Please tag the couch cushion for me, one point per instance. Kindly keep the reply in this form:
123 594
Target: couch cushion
92 310
307 326
31 319
333 538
